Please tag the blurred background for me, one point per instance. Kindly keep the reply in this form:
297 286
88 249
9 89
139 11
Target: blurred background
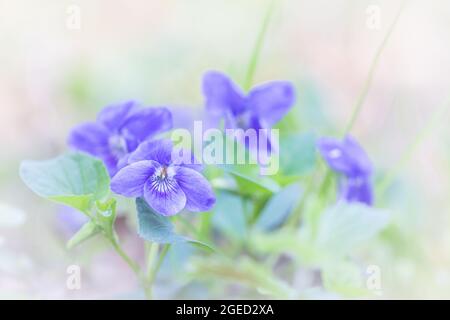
61 62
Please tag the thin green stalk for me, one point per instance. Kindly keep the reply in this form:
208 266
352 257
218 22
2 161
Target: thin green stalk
153 265
187 225
205 224
294 219
363 94
152 253
151 250
132 264
435 118
162 255
258 46
356 111
106 223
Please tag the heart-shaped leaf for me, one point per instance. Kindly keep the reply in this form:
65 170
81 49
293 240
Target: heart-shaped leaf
74 179
157 228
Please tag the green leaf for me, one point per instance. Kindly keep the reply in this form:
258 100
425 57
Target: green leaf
249 184
82 202
88 230
229 217
279 207
345 226
201 245
247 174
298 154
157 228
74 179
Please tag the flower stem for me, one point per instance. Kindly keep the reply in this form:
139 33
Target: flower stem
363 94
258 46
151 250
153 265
162 255
294 219
323 187
132 264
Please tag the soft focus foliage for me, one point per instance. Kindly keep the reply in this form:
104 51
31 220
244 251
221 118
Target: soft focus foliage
305 232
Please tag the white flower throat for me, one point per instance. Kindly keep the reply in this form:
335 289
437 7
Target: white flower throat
163 181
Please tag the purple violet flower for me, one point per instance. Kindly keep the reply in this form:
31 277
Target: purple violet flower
167 185
349 159
261 108
118 131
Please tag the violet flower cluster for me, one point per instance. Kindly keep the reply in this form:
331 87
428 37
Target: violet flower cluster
118 131
141 166
125 138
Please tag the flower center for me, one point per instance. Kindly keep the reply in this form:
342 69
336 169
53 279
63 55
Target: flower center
162 181
118 146
163 173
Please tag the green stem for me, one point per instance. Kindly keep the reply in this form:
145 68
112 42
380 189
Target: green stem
187 225
205 224
132 264
356 111
153 266
258 46
162 255
362 96
151 253
294 219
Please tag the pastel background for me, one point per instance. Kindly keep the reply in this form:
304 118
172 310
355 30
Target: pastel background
53 76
